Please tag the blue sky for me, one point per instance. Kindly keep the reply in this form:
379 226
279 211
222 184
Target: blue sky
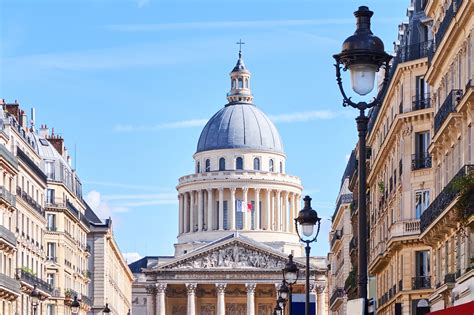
131 82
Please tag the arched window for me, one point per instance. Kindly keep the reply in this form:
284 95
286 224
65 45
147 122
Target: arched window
241 83
270 166
239 163
234 84
246 83
208 165
256 164
281 167
221 164
198 167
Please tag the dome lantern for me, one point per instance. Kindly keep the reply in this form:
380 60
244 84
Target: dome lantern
240 82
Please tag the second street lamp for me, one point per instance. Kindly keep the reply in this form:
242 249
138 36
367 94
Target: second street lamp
75 305
35 298
106 309
363 55
290 276
306 222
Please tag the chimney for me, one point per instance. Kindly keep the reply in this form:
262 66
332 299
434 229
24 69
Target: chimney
14 110
23 119
44 131
57 142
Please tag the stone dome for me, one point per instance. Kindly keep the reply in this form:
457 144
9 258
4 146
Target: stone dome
240 125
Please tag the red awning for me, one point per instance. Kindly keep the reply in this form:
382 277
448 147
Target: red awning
464 309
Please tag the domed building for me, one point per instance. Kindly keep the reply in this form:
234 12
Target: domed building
236 225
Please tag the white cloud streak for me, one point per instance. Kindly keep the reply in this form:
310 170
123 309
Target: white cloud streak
125 186
293 117
231 24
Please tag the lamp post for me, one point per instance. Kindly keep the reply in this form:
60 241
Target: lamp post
35 298
278 310
75 305
106 309
363 55
307 220
290 276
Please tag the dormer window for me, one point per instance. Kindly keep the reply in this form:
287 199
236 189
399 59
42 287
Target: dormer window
239 163
256 164
222 164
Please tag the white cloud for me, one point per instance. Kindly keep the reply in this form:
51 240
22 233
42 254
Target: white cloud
101 208
191 123
131 257
142 3
303 116
231 24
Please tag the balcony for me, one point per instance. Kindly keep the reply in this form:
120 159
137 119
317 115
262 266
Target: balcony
421 282
51 228
30 201
337 297
421 102
52 259
8 156
405 228
7 196
7 239
443 200
412 52
448 107
31 279
9 287
420 161
336 237
444 25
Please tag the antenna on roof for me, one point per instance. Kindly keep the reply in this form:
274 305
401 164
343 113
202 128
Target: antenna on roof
33 118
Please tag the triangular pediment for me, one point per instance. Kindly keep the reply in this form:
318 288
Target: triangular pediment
233 252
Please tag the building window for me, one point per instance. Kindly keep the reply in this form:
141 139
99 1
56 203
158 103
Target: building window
281 167
421 158
49 169
222 164
270 167
246 83
256 164
50 309
50 196
50 279
241 83
422 201
198 167
226 216
234 83
51 251
422 271
208 165
51 222
239 215
239 163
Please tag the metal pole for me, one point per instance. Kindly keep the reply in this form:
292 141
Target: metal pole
308 249
362 123
290 299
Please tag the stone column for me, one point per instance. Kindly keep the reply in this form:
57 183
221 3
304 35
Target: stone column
231 215
285 211
257 209
221 208
292 212
278 210
200 208
180 214
220 289
186 213
318 290
268 222
245 214
192 219
191 289
210 204
250 298
151 294
160 299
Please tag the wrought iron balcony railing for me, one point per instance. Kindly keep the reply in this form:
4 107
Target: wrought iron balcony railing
445 197
412 52
10 284
421 282
33 280
7 236
421 102
7 196
449 106
29 200
420 161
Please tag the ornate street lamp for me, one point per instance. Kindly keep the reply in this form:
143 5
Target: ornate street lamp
363 55
283 291
278 310
75 305
35 298
290 276
106 309
307 220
